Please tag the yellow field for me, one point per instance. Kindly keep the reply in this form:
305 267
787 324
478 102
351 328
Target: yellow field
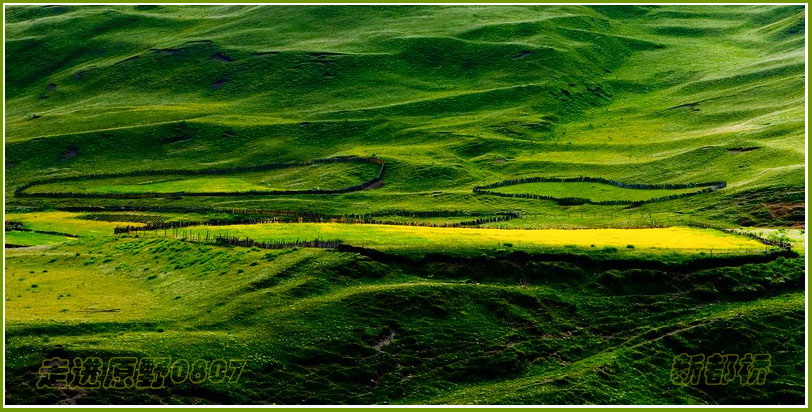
389 236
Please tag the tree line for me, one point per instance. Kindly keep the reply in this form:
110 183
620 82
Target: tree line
14 225
221 240
271 244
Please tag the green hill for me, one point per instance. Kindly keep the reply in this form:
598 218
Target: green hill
448 98
451 97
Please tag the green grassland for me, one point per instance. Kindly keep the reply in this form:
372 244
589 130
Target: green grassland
592 191
26 238
487 328
319 176
451 98
463 98
64 222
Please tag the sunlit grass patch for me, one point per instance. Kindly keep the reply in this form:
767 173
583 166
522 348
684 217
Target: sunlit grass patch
596 192
30 238
73 292
317 176
64 222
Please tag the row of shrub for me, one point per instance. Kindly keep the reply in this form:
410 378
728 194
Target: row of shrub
707 187
466 223
14 225
266 244
269 244
431 213
21 191
291 215
187 223
123 217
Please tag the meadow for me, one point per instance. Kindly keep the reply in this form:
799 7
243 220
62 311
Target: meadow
24 238
135 135
593 191
319 176
64 222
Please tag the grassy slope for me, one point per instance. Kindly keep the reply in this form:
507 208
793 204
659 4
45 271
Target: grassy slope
25 238
464 97
322 176
483 329
591 191
451 98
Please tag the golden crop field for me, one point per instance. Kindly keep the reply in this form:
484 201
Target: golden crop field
391 236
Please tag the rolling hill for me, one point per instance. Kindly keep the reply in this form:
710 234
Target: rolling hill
118 101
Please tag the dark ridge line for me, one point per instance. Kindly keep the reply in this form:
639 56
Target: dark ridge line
708 187
743 149
20 191
126 60
694 104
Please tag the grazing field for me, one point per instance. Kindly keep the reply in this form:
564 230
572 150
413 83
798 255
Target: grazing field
319 176
487 324
431 238
26 238
64 222
593 191
137 134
